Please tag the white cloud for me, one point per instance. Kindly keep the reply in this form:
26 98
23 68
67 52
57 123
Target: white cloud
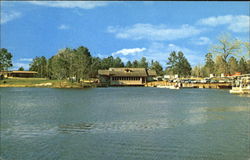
71 4
202 41
153 32
26 59
130 51
238 23
9 16
63 27
160 52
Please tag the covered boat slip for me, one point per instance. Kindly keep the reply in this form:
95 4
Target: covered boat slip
126 76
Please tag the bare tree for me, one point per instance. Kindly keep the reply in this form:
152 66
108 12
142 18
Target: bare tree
227 46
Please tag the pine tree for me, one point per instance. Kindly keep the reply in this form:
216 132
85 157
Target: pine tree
243 66
232 65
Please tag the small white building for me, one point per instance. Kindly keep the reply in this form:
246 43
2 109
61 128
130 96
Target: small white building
212 75
167 76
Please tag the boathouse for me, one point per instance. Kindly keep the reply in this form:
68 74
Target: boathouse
126 76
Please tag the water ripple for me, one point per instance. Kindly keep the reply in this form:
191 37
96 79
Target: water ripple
124 126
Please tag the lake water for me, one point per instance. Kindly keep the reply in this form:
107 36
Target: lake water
127 123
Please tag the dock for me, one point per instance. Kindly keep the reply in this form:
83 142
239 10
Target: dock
190 85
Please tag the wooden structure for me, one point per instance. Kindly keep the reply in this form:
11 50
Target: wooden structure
126 76
190 85
241 84
24 74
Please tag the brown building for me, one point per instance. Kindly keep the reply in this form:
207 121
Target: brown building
25 74
125 76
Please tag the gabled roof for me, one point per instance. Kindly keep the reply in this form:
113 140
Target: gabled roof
152 73
127 72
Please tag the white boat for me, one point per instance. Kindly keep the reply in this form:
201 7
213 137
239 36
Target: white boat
162 86
174 87
241 85
240 90
169 87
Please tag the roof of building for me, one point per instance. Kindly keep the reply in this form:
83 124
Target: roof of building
152 73
26 72
2 72
127 72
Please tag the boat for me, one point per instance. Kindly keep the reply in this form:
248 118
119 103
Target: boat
240 90
174 87
241 85
169 87
162 86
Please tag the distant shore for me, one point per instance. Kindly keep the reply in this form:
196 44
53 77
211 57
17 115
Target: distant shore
42 83
47 83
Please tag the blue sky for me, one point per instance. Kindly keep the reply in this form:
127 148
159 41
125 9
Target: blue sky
129 30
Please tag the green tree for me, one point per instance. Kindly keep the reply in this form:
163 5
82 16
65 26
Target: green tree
39 64
107 62
135 64
227 47
68 63
197 71
95 65
220 65
178 64
118 62
129 64
81 62
243 66
172 63
248 65
143 63
233 65
21 69
209 64
155 65
247 47
5 59
49 68
62 64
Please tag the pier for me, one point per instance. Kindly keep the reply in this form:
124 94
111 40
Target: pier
189 85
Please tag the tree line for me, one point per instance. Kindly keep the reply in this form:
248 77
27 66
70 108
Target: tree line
79 63
230 55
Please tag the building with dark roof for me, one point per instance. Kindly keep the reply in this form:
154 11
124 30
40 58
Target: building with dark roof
126 76
24 74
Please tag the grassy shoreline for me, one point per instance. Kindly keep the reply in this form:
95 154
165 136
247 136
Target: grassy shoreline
42 83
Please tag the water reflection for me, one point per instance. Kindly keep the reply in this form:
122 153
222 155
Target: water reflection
220 109
197 119
123 123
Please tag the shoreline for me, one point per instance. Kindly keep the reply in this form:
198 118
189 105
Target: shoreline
48 83
79 86
42 83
